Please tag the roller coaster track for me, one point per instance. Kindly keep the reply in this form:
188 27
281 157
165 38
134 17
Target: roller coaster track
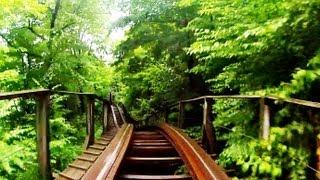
161 152
127 150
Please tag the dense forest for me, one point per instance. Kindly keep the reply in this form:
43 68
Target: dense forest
171 50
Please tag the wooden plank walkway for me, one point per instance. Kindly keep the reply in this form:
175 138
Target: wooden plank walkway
83 163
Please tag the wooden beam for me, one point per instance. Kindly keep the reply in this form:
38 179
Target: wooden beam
221 97
181 114
275 98
22 94
296 101
314 119
106 110
122 116
74 93
114 117
43 135
208 135
90 122
264 119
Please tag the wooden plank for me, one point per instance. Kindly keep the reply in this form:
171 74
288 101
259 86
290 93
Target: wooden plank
106 111
43 135
78 166
90 123
101 142
296 101
72 173
181 117
83 164
23 94
88 157
149 137
94 150
115 118
146 132
147 151
152 162
264 115
201 98
97 146
75 93
150 177
105 139
150 143
208 135
123 117
198 162
131 158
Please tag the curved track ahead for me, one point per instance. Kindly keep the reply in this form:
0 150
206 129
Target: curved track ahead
162 152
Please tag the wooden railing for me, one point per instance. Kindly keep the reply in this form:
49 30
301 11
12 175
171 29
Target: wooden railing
209 137
42 97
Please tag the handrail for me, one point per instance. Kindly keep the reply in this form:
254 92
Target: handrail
42 97
288 100
31 93
22 94
201 165
208 136
296 101
92 95
74 93
220 97
264 112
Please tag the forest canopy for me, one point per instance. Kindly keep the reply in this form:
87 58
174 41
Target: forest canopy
171 50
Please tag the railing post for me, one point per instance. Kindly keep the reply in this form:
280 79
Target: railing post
314 119
165 116
264 119
181 114
208 136
105 123
90 122
43 135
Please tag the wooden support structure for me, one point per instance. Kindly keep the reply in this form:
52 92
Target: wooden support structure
264 114
106 111
43 135
90 122
165 116
181 114
317 165
208 135
314 119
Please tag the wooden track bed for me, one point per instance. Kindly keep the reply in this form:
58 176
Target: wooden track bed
82 164
157 153
151 155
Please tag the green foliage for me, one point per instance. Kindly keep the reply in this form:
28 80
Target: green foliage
194 132
273 158
173 49
56 45
280 156
151 65
305 81
242 49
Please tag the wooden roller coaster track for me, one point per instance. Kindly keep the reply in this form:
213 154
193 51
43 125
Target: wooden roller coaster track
126 150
